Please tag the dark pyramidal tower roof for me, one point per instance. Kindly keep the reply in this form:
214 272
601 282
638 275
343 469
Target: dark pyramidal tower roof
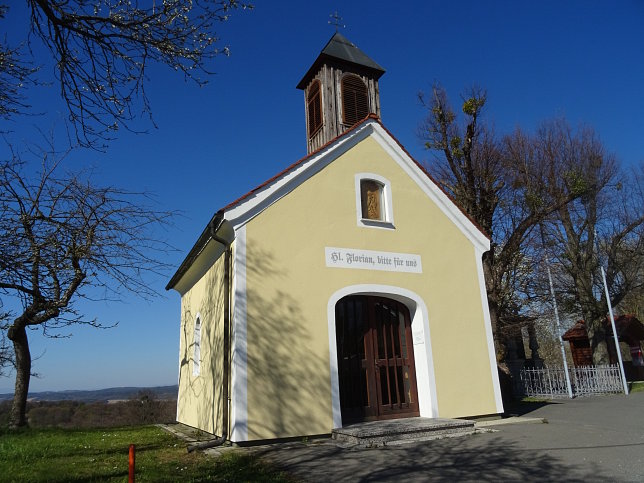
339 48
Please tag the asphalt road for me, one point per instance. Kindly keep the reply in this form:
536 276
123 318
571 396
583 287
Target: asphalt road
587 439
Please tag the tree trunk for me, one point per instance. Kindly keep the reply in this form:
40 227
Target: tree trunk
493 306
18 335
499 342
594 313
597 337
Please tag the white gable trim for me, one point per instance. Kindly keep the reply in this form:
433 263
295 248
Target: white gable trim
247 209
488 332
437 195
280 187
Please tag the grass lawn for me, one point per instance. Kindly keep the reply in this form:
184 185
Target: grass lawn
58 455
637 386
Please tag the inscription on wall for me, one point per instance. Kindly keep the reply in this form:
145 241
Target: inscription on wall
372 260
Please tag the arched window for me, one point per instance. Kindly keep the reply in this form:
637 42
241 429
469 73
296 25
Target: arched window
374 207
355 101
196 348
371 200
314 108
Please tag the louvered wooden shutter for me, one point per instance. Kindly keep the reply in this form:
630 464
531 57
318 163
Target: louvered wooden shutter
314 107
355 102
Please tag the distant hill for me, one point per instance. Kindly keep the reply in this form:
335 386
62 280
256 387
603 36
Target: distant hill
112 393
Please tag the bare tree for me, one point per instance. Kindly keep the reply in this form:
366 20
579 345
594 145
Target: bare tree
15 74
66 239
604 227
633 302
6 354
102 48
62 237
507 187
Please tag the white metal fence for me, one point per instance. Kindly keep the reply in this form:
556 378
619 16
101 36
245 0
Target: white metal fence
551 382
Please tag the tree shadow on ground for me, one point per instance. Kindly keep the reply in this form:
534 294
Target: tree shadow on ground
475 458
524 408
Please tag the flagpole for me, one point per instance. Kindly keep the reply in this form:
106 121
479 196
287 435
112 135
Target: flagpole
561 344
612 323
558 324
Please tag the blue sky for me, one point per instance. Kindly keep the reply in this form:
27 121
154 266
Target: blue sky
537 60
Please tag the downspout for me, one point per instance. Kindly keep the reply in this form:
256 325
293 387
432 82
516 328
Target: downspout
226 366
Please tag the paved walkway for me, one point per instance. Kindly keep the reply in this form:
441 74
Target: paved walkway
586 439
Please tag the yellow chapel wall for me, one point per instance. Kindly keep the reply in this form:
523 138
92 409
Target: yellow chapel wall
289 286
199 402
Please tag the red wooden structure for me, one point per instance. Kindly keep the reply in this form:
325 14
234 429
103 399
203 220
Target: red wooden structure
629 330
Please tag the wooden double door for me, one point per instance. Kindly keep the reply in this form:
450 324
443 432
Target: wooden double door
376 367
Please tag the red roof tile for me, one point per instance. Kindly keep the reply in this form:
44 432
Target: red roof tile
300 161
625 324
307 157
204 238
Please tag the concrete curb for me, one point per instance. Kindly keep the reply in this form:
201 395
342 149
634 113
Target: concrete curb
511 420
183 432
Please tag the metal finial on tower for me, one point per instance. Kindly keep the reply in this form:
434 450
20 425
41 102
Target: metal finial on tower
336 20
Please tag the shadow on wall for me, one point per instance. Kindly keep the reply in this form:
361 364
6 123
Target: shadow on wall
290 392
200 398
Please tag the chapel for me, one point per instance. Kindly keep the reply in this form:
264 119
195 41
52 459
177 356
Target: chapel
348 287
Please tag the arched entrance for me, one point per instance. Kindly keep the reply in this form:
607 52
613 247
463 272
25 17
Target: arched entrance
376 369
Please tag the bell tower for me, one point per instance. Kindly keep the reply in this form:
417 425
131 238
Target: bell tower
340 89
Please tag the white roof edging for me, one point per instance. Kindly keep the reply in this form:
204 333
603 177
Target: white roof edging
248 209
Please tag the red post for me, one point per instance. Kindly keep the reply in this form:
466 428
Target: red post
131 460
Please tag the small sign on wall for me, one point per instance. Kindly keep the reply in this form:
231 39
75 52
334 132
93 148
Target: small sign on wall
372 260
